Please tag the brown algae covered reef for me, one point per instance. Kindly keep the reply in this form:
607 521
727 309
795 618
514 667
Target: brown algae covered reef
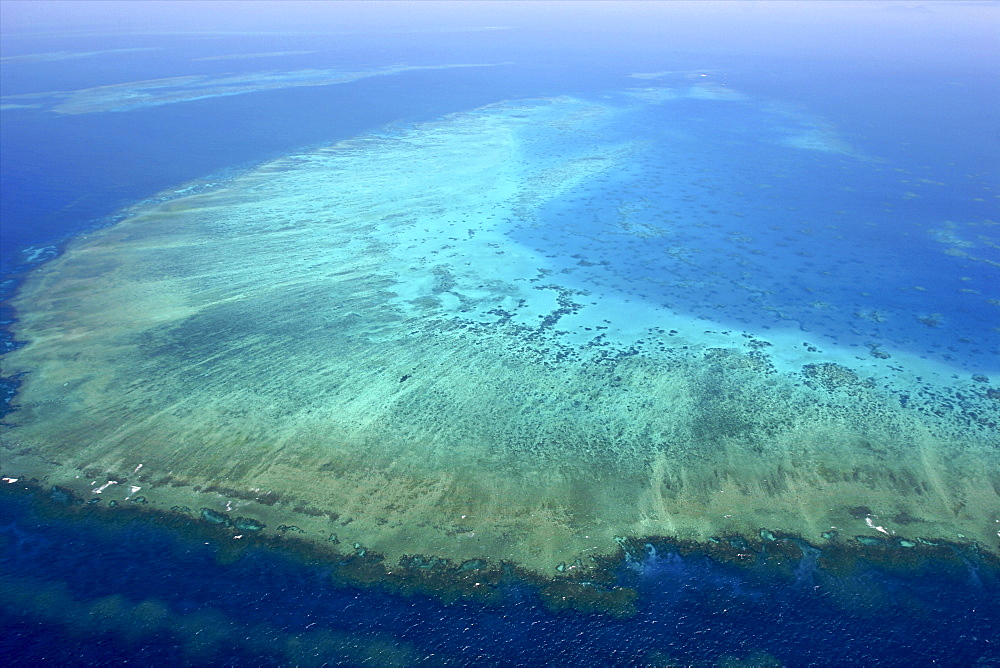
344 351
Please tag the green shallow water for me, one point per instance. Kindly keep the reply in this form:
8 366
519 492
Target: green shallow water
349 341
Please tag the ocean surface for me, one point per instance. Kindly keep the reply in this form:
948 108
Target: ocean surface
821 178
85 593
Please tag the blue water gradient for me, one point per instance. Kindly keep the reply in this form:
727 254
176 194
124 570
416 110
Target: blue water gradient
923 121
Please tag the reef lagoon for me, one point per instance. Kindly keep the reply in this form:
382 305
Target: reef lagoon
501 334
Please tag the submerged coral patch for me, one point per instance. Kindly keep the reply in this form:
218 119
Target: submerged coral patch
373 349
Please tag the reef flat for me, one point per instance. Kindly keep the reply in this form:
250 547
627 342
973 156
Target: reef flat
67 55
172 90
353 342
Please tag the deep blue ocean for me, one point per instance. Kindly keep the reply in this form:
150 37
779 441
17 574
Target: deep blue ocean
89 593
924 113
